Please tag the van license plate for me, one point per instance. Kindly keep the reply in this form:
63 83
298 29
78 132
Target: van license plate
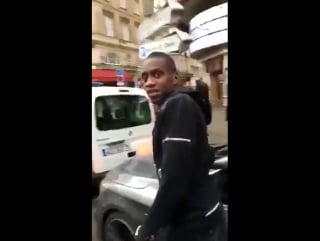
115 149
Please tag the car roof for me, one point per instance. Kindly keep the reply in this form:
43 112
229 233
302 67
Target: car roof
112 90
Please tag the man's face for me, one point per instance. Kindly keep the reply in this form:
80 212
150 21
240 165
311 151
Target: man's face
158 80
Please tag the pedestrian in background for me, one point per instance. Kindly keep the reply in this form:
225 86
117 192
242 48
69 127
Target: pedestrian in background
203 89
200 94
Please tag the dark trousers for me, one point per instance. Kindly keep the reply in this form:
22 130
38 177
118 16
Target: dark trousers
192 232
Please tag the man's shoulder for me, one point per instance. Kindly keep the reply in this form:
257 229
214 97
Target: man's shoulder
180 104
179 98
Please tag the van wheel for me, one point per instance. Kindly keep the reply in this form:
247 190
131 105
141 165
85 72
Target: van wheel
119 227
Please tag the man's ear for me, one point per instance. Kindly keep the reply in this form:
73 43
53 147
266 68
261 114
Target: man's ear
176 80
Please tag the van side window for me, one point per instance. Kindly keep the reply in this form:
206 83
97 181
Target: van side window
121 111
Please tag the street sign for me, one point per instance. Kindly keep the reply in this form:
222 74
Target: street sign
120 75
142 52
120 72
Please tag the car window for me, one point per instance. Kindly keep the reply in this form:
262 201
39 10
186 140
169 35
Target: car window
141 167
121 111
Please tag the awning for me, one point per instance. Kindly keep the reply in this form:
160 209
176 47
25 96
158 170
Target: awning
108 75
193 7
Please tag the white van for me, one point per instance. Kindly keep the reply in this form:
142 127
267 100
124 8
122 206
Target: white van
122 117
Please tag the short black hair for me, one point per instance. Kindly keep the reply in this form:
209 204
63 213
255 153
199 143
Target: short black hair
170 64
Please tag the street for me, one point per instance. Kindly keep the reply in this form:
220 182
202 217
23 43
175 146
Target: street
218 135
218 129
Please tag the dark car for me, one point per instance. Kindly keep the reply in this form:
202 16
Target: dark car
127 192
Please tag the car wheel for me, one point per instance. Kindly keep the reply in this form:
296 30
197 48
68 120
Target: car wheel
119 227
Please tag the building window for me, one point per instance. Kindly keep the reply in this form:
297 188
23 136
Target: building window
108 18
128 58
136 28
123 4
112 59
125 29
136 7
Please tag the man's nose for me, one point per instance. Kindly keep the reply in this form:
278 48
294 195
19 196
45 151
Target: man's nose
150 82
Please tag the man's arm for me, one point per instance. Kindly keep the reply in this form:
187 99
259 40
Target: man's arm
179 124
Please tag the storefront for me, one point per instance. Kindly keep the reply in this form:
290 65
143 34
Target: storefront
105 65
216 69
110 77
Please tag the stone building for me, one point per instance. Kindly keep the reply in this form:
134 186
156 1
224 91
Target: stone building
115 25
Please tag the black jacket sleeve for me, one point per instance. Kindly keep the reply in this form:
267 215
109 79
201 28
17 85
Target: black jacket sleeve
179 122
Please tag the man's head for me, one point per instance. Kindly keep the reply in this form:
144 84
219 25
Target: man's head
202 88
159 75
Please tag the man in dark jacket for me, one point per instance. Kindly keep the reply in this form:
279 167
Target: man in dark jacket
187 204
200 98
203 89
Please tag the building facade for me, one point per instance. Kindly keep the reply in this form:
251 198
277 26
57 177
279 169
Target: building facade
217 67
209 31
159 32
115 26
206 22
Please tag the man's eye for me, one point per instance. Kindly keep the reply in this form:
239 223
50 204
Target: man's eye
156 75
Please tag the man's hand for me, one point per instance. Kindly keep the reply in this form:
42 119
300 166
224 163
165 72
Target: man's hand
139 237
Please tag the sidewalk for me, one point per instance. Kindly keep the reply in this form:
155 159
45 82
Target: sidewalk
218 129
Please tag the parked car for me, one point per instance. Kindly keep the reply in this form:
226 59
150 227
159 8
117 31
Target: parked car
127 192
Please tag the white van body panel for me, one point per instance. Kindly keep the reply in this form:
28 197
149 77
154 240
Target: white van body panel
113 147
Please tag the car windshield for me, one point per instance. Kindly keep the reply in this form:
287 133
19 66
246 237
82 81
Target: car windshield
121 111
139 166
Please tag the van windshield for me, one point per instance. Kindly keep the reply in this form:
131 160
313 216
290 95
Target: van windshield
121 111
